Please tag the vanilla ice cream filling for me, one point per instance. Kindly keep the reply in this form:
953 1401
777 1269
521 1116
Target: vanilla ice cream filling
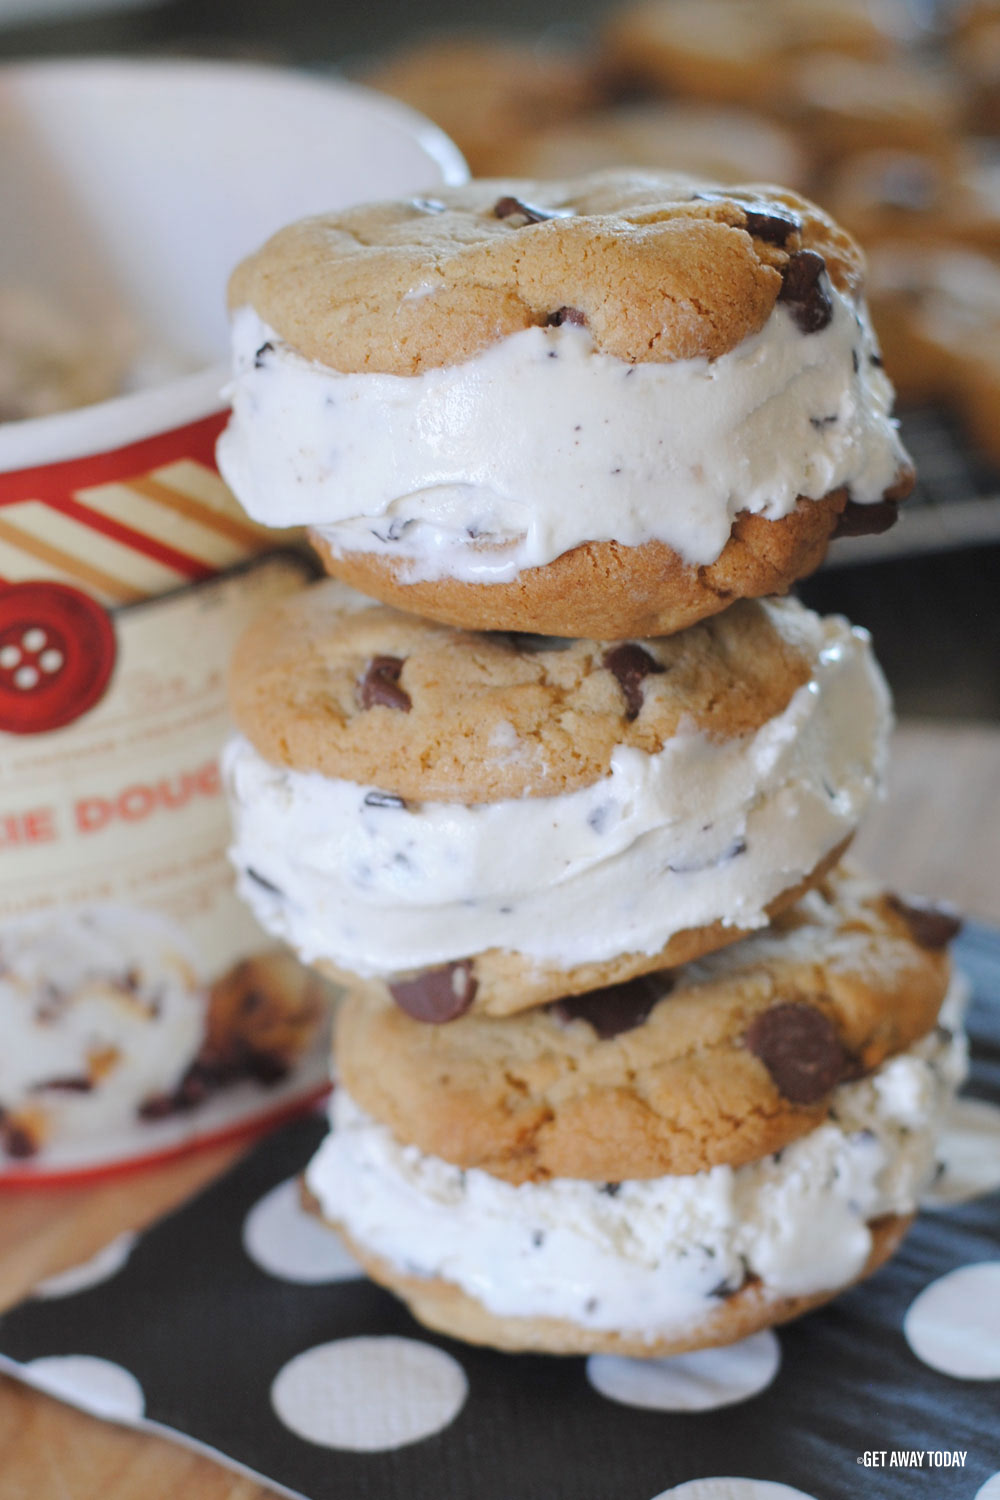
101 1008
704 831
541 442
655 1255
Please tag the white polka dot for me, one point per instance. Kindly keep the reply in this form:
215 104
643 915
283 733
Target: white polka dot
954 1325
51 660
733 1489
34 639
990 1490
9 657
689 1382
26 677
96 1385
969 1150
369 1394
100 1267
287 1242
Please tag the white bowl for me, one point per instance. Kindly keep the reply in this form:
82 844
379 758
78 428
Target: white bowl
135 186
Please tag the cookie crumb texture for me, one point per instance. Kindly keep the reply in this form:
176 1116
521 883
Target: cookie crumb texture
474 718
659 266
738 1056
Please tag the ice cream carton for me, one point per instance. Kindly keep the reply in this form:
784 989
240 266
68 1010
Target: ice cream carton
127 570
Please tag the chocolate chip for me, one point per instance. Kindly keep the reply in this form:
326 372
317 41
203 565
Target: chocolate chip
259 357
617 1008
772 227
267 1068
192 1090
507 208
156 1107
800 1049
209 1073
194 1087
566 315
930 926
629 664
266 885
866 520
768 221
727 1288
383 799
803 293
610 1189
380 684
68 1085
437 995
598 818
695 866
16 1141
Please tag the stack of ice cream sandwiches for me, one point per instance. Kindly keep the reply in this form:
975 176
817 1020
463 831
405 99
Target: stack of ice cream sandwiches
629 1061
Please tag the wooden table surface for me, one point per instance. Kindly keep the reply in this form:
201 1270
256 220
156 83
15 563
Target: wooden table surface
938 834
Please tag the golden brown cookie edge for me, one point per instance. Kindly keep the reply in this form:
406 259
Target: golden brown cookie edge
608 591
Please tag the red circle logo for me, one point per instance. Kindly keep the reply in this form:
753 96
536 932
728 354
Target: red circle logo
57 651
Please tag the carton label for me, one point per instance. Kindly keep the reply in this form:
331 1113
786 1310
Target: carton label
124 804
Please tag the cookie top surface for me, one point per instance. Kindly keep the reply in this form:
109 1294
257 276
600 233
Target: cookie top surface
328 682
723 1061
660 266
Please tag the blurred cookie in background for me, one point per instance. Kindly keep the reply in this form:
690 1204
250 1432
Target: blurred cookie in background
844 104
975 54
907 195
263 1016
727 144
489 92
739 51
937 311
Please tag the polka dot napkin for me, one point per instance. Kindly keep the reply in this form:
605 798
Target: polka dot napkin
241 1324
